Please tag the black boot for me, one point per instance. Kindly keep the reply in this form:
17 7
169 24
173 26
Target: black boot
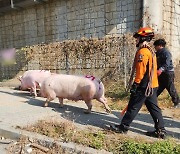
176 106
118 129
160 133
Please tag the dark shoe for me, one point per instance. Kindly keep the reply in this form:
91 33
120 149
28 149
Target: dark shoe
177 106
157 133
118 129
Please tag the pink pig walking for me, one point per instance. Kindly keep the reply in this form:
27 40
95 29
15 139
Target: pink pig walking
32 78
73 88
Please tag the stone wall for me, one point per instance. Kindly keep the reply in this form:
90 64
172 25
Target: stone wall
72 19
106 58
171 26
59 20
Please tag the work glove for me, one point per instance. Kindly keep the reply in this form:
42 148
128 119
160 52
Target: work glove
159 72
134 88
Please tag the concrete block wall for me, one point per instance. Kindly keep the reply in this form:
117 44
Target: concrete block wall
59 20
171 27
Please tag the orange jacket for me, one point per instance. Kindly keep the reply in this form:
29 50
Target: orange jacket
142 59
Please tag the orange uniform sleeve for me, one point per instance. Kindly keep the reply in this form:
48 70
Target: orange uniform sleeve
142 58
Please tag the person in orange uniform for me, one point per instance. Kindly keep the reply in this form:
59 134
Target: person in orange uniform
144 87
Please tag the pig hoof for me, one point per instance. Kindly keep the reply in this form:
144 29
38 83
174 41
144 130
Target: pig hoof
39 95
108 110
61 105
45 105
87 111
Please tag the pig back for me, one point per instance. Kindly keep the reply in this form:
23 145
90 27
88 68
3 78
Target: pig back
29 72
31 77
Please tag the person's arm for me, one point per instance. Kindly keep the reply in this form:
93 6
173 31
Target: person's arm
165 61
142 59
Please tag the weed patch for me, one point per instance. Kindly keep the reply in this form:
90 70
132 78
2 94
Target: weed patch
160 147
102 139
118 98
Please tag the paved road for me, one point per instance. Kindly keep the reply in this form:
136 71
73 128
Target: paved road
18 108
4 143
3 148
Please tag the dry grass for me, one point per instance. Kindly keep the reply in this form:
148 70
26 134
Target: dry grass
89 136
24 144
62 131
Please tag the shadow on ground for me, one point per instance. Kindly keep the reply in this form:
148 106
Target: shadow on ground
142 122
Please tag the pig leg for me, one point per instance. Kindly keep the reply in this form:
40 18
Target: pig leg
31 91
89 105
34 90
104 102
47 101
61 102
51 96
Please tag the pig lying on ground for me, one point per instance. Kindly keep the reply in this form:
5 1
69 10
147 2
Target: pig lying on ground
32 78
73 88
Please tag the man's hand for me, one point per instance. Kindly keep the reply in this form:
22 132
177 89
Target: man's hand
134 88
159 72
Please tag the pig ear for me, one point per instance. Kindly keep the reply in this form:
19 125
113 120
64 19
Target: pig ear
19 78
